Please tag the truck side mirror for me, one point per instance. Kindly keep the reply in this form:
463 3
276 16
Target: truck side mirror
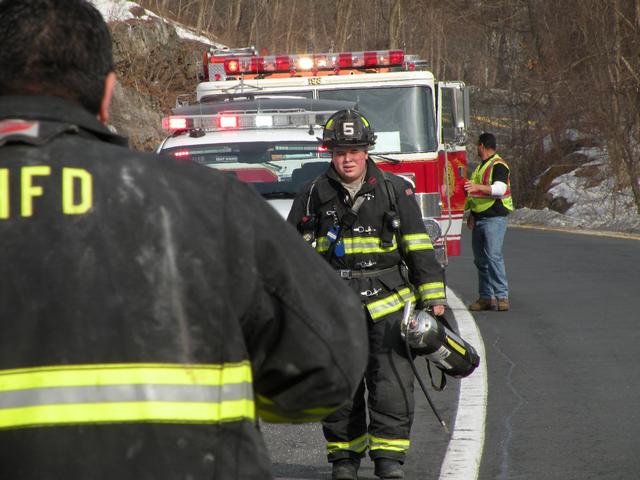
461 114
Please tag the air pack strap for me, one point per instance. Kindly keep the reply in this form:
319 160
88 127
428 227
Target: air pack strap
365 273
346 221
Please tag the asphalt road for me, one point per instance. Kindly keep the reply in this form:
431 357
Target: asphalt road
564 382
563 385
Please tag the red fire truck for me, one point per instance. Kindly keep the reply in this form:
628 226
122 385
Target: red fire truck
420 123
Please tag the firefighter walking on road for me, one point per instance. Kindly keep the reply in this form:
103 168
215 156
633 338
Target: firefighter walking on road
367 225
151 308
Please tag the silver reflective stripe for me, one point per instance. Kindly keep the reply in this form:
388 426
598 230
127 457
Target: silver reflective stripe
361 446
390 304
432 291
358 445
423 243
125 393
358 245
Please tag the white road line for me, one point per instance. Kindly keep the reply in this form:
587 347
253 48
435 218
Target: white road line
462 460
579 231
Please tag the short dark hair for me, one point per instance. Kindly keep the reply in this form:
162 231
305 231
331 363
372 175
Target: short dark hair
488 140
58 48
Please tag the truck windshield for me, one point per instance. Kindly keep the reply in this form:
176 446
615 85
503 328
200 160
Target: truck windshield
275 169
402 117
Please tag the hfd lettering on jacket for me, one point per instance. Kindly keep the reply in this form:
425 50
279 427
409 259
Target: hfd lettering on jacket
77 190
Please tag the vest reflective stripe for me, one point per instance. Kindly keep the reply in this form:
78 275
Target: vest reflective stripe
357 245
433 290
396 445
391 303
486 180
488 172
126 393
358 445
417 241
479 202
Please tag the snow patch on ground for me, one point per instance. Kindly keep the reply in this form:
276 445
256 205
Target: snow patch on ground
594 205
628 223
122 10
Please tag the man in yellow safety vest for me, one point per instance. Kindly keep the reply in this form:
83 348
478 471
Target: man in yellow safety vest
488 203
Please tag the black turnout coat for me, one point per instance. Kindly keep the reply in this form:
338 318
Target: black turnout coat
382 289
151 309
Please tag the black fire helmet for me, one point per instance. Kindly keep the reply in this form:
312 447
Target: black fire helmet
347 128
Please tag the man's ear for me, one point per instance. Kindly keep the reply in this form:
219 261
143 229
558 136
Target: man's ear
109 85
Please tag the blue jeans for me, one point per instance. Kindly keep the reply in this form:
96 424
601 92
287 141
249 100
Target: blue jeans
487 237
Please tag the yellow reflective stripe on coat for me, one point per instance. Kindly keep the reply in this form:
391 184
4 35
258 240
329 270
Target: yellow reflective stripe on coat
357 245
163 393
417 241
396 445
389 304
358 445
269 412
433 290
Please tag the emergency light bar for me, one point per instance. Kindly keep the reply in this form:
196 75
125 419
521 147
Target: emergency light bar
242 120
220 66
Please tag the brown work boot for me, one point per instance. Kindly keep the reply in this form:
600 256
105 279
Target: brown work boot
503 304
484 304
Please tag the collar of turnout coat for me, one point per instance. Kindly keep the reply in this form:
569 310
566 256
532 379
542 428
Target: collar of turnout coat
48 115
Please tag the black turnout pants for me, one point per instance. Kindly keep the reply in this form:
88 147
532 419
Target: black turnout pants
387 390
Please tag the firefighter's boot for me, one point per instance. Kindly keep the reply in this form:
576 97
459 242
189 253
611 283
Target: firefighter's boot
483 304
388 468
345 469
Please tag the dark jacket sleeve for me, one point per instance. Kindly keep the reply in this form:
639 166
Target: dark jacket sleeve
299 207
305 330
425 272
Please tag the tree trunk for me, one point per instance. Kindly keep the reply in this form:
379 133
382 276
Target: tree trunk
344 10
235 15
395 25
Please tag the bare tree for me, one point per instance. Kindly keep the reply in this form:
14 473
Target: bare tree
610 40
535 73
396 24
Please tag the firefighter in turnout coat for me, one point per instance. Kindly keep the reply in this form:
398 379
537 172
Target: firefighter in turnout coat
152 308
368 226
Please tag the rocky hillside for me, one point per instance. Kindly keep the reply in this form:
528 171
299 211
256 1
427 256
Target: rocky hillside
154 65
